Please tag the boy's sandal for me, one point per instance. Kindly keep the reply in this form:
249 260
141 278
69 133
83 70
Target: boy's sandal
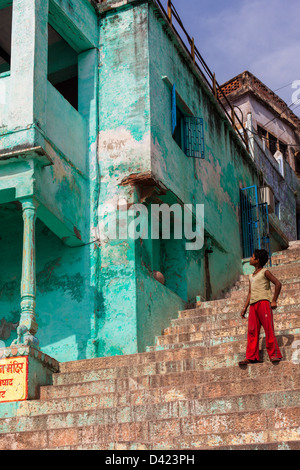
245 362
274 360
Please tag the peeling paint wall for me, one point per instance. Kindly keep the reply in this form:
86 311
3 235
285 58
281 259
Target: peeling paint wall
214 181
103 299
45 152
64 295
124 148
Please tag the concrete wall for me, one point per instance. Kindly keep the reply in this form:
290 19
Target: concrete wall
65 139
214 181
102 301
64 297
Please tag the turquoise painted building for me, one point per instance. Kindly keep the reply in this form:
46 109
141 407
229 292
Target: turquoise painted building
87 96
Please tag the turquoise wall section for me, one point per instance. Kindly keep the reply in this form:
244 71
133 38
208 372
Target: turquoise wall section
64 296
124 148
214 181
100 297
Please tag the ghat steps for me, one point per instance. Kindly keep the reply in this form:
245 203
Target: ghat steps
186 392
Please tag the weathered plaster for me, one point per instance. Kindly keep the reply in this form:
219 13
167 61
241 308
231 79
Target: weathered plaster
99 297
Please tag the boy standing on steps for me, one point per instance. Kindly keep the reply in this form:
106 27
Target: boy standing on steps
261 305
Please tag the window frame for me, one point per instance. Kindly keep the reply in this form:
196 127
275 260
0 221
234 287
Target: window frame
185 124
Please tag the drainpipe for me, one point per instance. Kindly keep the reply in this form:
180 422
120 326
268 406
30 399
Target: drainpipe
208 251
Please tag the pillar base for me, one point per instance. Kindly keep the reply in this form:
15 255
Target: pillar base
23 370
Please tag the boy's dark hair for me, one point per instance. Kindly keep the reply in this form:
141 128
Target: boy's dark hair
262 256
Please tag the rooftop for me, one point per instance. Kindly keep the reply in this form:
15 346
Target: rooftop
246 82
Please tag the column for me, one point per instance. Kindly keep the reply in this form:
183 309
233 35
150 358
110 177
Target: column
88 108
28 326
250 135
29 59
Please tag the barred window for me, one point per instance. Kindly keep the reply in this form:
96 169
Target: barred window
187 131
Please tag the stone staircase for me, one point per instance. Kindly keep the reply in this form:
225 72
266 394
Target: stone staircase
185 393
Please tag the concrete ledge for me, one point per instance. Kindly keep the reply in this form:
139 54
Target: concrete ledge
23 370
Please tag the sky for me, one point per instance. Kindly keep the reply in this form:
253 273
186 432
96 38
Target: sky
261 36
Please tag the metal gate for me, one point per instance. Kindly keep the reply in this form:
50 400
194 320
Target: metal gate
255 223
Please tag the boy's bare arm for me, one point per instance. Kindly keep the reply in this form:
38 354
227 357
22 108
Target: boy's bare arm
244 311
278 287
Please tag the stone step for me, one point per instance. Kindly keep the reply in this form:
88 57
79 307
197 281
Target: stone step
244 284
225 319
235 328
232 439
197 324
295 251
220 310
97 398
197 367
213 337
156 396
284 258
264 414
289 269
286 282
137 446
186 392
295 244
217 382
283 445
243 291
195 359
286 297
158 356
290 255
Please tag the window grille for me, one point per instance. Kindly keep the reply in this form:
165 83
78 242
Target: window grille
193 137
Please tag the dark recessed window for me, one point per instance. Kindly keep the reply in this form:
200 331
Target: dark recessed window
277 208
63 67
178 134
272 142
297 163
5 38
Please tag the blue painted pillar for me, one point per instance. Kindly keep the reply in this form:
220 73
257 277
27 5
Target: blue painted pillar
29 58
28 326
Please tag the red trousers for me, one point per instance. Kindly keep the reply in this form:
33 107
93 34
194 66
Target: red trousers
261 315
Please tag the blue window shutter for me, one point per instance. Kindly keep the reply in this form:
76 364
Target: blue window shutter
174 113
194 137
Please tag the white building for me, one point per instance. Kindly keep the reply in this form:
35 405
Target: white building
274 143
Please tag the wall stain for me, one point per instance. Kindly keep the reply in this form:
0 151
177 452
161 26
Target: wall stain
48 281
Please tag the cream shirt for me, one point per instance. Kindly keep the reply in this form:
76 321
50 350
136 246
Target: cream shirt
260 287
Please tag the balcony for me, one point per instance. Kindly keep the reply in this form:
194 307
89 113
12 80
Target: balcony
45 126
47 81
